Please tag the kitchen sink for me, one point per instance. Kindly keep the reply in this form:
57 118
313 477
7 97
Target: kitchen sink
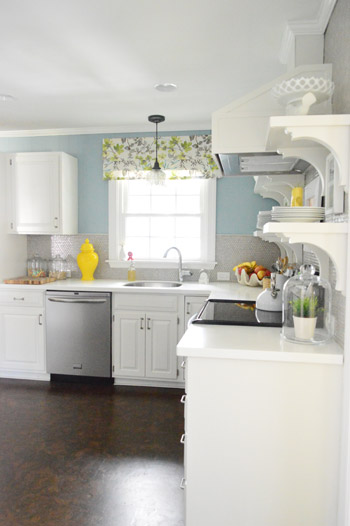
153 284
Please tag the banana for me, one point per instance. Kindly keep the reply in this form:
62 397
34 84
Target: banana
250 264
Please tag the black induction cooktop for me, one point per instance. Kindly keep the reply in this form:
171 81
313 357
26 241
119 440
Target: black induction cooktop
235 312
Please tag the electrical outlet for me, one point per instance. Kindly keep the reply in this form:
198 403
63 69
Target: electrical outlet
223 276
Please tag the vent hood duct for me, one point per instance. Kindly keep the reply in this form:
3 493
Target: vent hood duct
239 130
264 163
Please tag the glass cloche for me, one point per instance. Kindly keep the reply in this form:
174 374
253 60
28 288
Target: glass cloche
306 308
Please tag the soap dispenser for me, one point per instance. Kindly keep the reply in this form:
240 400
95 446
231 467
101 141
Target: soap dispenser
132 269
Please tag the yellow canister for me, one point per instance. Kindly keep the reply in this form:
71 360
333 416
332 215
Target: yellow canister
87 261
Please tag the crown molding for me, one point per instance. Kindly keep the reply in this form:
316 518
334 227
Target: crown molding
122 131
305 27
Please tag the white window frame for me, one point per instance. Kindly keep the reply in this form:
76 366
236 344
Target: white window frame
207 235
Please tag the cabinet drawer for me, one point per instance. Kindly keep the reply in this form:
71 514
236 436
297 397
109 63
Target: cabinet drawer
20 298
145 301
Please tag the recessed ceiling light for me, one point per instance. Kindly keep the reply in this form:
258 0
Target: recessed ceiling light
6 98
165 86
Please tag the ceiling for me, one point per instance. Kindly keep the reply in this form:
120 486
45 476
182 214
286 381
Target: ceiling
93 63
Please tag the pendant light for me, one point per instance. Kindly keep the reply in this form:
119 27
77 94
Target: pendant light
157 175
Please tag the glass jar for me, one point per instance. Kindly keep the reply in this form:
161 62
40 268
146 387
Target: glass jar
306 308
37 267
58 268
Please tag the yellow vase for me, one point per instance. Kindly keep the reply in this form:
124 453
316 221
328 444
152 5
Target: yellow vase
297 196
87 261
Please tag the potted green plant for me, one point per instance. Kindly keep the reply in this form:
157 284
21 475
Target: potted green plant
305 316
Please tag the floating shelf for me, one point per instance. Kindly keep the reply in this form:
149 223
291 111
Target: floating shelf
325 239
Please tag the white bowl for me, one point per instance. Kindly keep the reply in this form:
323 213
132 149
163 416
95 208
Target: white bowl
249 280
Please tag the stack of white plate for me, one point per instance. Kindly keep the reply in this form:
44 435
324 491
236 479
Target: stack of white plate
298 214
263 217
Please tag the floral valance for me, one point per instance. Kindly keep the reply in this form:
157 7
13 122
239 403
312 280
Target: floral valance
180 157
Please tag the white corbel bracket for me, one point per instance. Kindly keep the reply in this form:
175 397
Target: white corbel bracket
293 252
325 238
316 156
329 131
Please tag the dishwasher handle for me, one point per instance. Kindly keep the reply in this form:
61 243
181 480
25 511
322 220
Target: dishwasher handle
78 300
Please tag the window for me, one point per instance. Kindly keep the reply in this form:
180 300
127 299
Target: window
149 218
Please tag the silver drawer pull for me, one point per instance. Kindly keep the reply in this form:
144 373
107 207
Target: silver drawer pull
68 300
183 364
18 299
183 399
188 308
183 438
183 483
148 324
40 319
77 366
141 323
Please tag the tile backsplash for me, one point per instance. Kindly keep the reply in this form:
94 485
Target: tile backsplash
230 250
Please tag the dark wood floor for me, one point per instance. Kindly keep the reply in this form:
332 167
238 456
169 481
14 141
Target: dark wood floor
73 454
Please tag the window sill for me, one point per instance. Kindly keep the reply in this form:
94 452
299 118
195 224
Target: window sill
162 263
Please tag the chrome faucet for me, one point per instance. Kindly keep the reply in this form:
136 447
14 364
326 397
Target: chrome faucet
182 272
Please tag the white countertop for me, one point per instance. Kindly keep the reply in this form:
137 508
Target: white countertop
218 289
253 343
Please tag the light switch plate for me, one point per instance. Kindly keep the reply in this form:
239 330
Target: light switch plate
223 276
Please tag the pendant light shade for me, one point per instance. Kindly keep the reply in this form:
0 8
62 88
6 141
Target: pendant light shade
157 175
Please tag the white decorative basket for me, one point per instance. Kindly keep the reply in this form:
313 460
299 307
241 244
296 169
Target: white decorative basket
249 280
290 93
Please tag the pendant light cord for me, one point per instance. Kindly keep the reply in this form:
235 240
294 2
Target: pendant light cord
157 142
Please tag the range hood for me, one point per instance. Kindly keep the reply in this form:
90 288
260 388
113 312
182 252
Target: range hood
264 163
239 130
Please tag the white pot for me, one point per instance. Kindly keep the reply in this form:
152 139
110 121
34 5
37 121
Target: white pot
304 328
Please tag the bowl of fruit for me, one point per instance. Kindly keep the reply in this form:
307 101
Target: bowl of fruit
251 274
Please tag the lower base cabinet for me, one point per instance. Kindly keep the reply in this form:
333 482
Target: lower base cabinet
261 443
144 336
144 345
22 340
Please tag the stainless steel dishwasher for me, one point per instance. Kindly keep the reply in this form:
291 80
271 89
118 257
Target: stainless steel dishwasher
78 333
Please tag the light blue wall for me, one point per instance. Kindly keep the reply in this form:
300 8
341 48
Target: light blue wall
237 205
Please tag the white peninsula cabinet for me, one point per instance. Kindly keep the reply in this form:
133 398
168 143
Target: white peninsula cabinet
262 429
145 334
22 335
43 193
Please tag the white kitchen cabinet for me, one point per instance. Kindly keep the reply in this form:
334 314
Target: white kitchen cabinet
161 340
144 338
43 193
262 442
192 306
144 345
129 344
22 335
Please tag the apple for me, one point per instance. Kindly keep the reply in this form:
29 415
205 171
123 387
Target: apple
258 268
261 274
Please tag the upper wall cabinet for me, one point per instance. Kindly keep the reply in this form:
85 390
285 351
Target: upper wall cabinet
42 193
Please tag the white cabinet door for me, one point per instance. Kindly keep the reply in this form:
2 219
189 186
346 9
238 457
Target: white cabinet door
35 193
161 340
22 339
192 306
129 343
43 193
